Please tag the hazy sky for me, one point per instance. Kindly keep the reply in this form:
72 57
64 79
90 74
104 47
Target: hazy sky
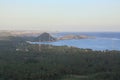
60 15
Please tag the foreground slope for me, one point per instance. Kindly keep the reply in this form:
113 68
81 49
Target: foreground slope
47 62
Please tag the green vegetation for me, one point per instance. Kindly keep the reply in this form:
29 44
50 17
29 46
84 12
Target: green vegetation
47 62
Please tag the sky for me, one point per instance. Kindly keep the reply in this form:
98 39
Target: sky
60 15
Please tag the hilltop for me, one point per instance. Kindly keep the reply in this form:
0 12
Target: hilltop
45 37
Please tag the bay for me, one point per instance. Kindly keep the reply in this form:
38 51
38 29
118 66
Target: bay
102 40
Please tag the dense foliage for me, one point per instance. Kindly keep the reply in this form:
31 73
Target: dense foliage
48 62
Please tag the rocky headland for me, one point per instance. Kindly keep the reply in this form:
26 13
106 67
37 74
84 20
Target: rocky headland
46 37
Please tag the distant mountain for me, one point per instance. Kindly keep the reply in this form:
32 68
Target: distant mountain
5 34
45 37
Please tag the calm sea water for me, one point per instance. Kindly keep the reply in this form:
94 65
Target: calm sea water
103 40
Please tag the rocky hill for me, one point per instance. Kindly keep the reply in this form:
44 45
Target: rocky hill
45 37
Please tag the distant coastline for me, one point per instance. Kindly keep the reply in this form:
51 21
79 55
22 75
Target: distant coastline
102 41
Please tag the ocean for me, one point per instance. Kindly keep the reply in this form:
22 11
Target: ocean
102 40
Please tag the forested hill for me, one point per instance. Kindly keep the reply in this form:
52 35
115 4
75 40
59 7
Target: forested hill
22 61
